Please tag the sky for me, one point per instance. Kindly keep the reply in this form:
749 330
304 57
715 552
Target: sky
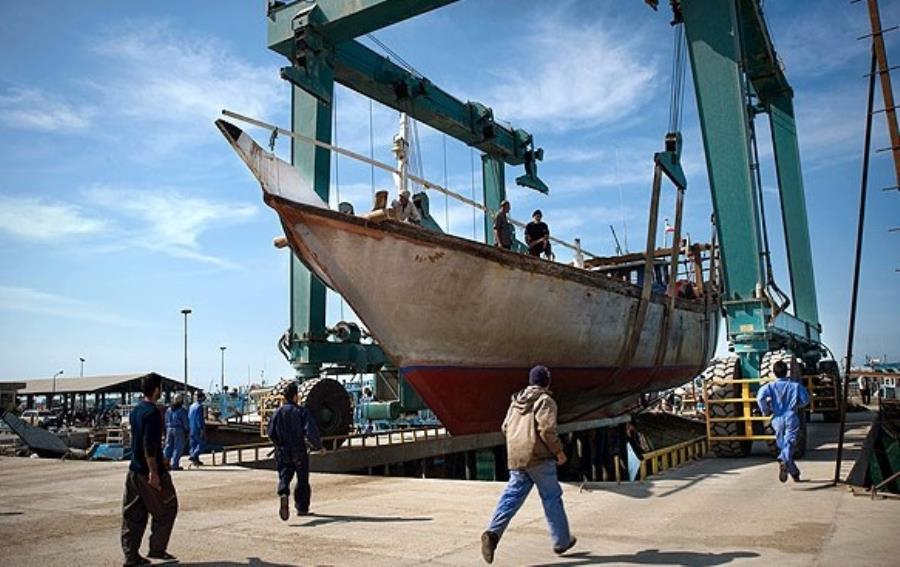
121 204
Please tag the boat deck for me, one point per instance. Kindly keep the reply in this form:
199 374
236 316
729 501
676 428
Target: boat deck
709 512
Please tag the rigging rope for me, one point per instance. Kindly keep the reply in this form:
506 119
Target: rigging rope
337 173
446 197
679 64
474 214
371 145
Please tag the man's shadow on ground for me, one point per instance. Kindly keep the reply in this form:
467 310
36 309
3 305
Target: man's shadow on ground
653 557
324 519
251 562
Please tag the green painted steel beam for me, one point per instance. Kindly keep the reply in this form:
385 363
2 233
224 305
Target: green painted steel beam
370 74
494 186
793 208
343 20
310 117
759 57
713 45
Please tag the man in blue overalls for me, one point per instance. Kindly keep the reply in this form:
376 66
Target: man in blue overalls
783 399
198 428
176 430
290 429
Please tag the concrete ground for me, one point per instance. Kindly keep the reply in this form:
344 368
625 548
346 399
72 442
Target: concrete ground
710 512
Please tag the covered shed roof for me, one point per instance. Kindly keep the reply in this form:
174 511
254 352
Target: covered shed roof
96 384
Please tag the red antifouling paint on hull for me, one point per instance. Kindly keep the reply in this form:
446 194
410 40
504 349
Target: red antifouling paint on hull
475 400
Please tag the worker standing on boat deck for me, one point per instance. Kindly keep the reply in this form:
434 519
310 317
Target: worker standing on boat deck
404 209
148 485
537 236
176 430
784 399
198 428
534 451
289 430
503 229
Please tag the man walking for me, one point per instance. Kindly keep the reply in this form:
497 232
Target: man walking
148 485
290 429
783 399
534 450
197 423
176 430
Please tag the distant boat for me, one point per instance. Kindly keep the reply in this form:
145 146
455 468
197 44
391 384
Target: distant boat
463 321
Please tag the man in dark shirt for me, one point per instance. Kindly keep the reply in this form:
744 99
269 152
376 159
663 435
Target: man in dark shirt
290 429
503 229
148 485
537 236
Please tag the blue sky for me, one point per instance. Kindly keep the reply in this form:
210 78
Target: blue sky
120 203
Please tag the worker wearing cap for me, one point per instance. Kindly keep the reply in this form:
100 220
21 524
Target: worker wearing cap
197 422
290 429
504 233
537 236
784 399
176 430
403 209
534 450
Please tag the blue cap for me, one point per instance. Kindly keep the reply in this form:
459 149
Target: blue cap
539 376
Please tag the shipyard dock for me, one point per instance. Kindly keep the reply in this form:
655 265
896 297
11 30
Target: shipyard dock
707 512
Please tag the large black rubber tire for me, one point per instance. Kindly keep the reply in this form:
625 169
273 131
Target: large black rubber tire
719 370
330 404
794 370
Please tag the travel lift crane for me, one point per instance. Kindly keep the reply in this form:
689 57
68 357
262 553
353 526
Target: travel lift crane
318 39
736 76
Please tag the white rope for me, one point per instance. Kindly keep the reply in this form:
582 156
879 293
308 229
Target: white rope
380 165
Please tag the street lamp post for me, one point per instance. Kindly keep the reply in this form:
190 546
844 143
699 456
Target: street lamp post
185 312
221 348
82 367
53 394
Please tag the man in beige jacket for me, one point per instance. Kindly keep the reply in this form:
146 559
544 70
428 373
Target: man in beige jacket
534 451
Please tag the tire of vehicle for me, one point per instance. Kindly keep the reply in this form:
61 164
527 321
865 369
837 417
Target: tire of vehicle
330 404
716 389
794 370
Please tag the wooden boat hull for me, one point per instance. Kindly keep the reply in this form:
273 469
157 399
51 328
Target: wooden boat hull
464 321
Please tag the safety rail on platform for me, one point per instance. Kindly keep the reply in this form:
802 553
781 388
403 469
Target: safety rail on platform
673 456
239 454
747 401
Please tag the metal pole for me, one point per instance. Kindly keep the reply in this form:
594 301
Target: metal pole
81 375
221 348
185 312
856 267
53 391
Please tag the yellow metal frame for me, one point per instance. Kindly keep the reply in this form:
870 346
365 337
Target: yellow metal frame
815 400
672 456
747 401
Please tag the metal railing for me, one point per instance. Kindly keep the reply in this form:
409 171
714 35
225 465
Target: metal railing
747 401
250 452
673 456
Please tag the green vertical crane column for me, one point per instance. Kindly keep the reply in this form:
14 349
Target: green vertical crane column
494 183
714 46
311 117
793 207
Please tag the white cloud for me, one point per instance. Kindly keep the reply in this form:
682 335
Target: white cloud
30 300
32 109
40 219
180 82
171 222
578 75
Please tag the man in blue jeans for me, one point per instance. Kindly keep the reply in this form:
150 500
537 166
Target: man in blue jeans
783 399
534 451
176 430
198 428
